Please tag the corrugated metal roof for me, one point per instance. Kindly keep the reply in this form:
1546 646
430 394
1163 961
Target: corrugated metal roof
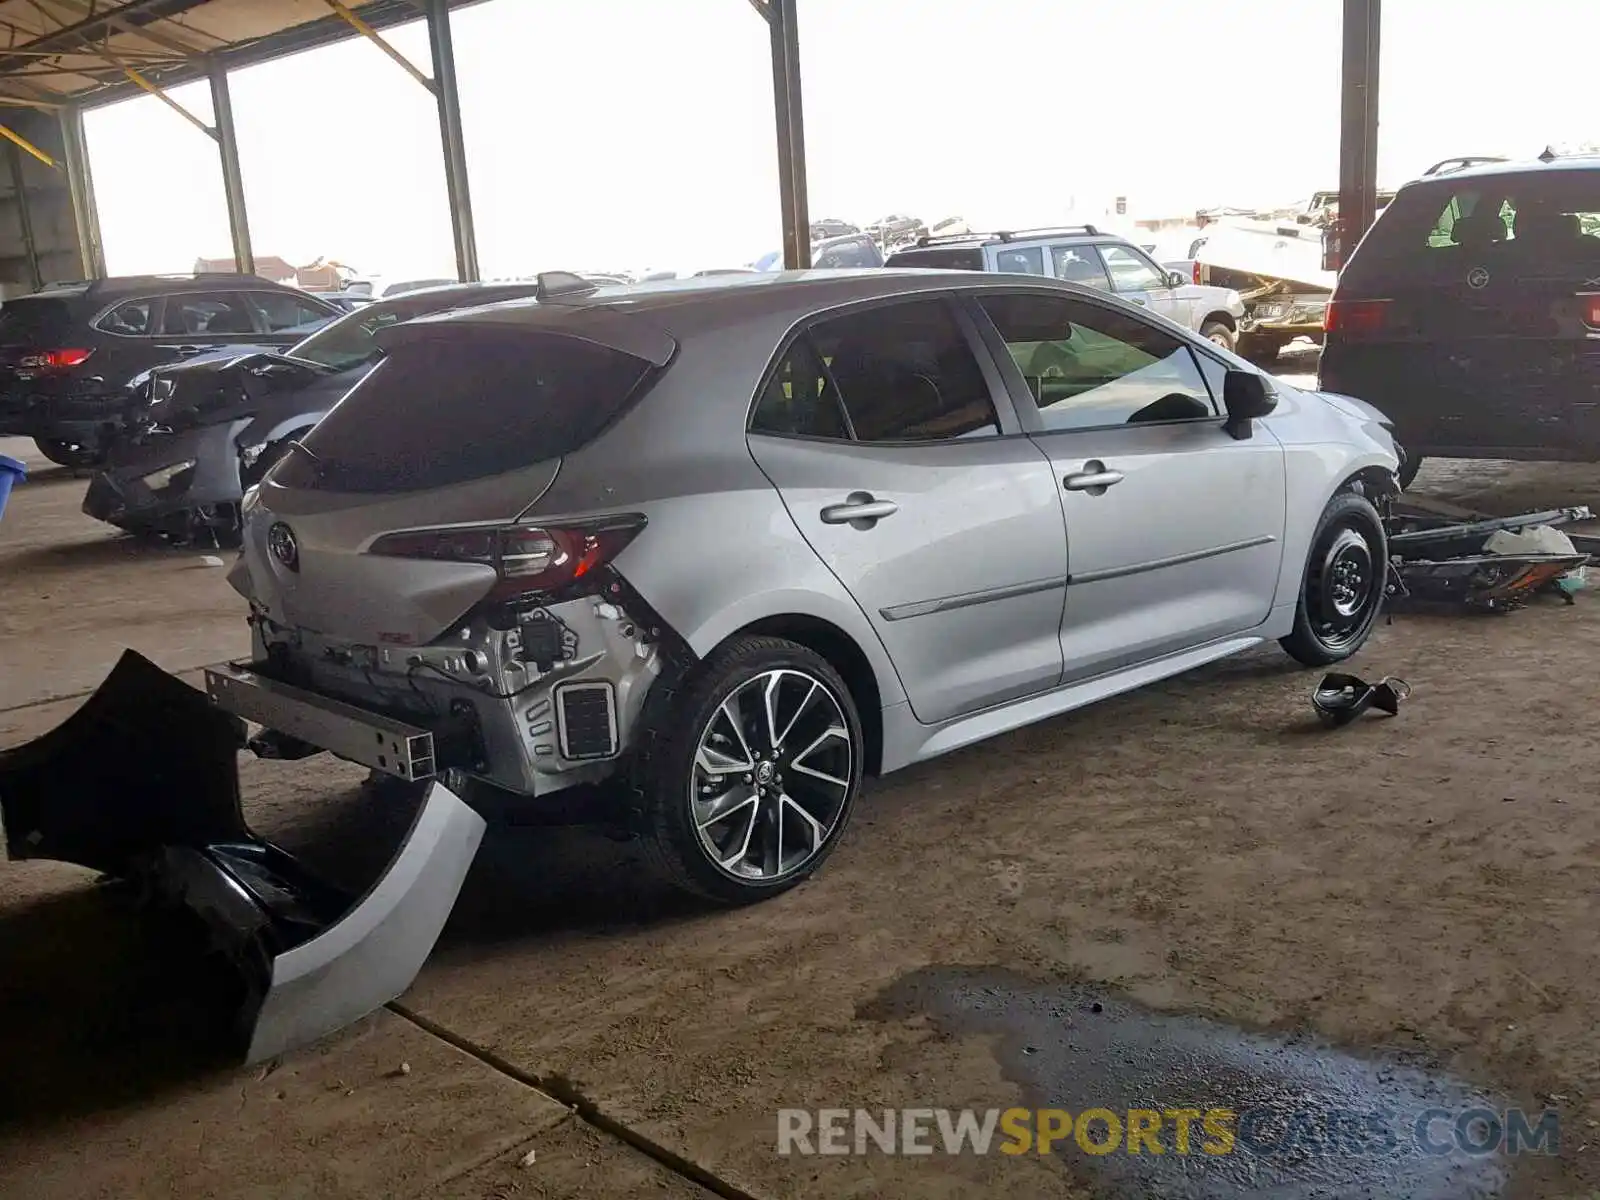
60 51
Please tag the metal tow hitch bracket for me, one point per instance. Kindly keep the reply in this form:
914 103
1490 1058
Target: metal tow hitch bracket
142 783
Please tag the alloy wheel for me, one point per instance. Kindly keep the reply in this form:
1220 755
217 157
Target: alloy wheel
772 774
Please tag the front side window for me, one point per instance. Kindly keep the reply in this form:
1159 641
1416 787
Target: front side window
1089 367
130 318
280 311
897 373
205 313
1028 261
1131 271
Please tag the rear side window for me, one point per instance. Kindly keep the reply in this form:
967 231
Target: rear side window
132 318
945 258
1026 261
208 313
897 373
1539 223
1080 264
29 322
447 408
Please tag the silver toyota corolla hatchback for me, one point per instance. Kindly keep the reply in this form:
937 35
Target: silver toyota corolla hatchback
736 543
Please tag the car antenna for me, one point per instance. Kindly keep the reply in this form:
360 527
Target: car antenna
554 284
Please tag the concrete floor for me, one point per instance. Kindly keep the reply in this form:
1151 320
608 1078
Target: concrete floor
1421 889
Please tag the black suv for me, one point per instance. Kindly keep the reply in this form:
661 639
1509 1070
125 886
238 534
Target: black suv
1470 314
67 352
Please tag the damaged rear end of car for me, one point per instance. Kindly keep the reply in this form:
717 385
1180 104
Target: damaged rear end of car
408 612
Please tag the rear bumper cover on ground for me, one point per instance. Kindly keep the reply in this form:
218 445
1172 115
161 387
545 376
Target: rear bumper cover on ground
142 783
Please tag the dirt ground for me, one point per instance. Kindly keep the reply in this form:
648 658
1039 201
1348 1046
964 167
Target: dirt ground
1420 887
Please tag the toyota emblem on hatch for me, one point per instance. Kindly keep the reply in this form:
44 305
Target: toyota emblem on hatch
1478 278
280 540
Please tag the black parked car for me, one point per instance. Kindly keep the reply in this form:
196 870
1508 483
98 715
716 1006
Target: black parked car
199 435
67 352
1470 314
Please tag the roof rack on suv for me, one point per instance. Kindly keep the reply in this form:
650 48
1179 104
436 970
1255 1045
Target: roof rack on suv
1461 163
1005 235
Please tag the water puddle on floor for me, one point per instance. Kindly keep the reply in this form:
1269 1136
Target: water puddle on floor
1308 1121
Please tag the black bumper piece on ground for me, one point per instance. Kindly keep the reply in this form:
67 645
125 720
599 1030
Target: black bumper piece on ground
141 783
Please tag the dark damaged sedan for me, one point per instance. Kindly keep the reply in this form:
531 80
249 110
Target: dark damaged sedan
202 433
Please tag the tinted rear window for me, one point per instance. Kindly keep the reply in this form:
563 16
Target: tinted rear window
463 405
1538 224
27 321
945 258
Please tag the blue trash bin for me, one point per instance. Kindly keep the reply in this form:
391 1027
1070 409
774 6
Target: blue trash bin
11 472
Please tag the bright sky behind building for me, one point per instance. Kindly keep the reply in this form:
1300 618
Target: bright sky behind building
625 134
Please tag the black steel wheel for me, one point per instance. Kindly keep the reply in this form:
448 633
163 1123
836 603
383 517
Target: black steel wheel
1342 589
748 772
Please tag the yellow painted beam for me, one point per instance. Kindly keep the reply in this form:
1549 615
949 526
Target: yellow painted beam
24 143
376 38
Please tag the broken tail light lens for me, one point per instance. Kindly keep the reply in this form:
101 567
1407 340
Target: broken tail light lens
54 360
1194 272
526 558
1356 318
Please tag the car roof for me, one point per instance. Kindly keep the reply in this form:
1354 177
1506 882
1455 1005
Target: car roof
1569 162
683 307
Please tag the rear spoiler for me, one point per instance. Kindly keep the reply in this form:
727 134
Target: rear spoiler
596 322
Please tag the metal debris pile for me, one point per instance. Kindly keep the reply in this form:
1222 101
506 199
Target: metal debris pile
1442 554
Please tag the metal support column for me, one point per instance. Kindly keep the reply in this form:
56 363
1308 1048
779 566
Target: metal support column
1358 124
455 151
84 214
25 216
244 257
786 102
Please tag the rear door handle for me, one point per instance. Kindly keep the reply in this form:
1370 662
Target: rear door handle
1094 478
860 510
187 351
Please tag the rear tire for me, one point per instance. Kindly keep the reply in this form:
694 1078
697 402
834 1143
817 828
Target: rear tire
1342 587
737 835
1220 334
70 454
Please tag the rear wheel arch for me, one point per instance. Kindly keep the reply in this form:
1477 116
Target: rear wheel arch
845 657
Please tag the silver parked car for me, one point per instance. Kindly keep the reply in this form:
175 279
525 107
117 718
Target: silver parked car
1094 258
735 543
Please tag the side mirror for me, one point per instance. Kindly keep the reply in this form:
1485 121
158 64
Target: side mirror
1176 279
1246 395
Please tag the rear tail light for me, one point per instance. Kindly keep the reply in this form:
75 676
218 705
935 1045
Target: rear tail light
54 360
526 558
1194 272
1591 310
1356 318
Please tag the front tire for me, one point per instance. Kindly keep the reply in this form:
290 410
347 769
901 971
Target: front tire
748 772
1342 588
1408 470
1218 334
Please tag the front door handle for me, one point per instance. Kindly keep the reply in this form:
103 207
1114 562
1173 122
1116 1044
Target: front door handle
1139 300
860 510
187 351
1094 478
